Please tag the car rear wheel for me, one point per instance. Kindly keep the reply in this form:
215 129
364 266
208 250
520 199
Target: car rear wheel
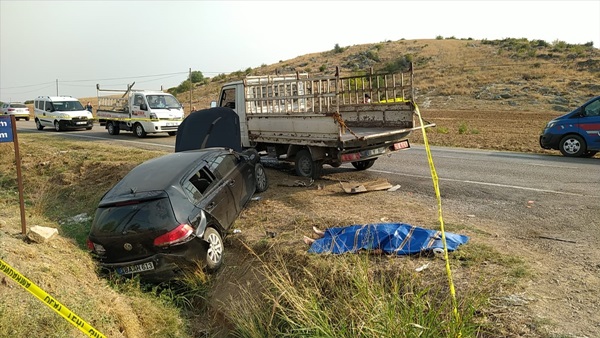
572 146
38 124
363 165
262 183
139 130
172 133
214 253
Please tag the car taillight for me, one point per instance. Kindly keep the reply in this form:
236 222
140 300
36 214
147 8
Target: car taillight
90 245
11 109
178 235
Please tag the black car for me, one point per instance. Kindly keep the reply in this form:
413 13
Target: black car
173 212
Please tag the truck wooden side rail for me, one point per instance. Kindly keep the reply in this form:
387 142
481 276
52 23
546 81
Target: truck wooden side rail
326 119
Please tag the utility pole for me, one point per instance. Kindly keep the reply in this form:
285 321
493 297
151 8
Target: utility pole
191 88
56 87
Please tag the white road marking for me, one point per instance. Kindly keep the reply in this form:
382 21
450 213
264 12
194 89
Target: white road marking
487 184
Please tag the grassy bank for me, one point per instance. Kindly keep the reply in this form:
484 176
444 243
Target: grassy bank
268 287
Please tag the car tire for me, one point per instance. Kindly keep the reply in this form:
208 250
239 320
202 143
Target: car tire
262 183
572 146
139 131
305 166
27 119
112 129
172 133
214 251
363 165
88 128
38 124
57 126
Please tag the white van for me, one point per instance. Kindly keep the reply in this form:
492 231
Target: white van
61 113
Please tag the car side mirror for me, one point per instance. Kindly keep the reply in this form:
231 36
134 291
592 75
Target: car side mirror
143 106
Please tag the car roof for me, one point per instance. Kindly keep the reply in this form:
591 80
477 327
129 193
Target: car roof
162 172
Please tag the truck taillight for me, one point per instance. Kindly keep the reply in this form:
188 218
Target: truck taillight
179 235
350 157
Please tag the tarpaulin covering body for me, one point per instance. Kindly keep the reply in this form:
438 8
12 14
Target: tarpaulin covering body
391 238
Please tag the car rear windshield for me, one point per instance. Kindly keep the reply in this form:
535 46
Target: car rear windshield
135 216
17 105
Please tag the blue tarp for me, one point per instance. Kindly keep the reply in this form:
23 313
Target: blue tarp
391 238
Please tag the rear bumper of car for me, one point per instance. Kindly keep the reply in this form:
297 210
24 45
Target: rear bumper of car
19 115
166 266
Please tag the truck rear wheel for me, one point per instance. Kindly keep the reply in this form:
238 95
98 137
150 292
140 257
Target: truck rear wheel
305 166
112 129
363 165
139 131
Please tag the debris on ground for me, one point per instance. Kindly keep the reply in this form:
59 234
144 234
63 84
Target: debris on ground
354 187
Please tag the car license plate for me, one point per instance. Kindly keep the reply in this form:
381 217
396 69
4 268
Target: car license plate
136 268
83 122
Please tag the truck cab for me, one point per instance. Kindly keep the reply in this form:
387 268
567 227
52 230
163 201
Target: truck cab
576 134
142 112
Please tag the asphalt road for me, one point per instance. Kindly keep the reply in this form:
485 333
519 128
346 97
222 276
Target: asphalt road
487 172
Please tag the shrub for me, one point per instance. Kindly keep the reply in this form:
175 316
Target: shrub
463 128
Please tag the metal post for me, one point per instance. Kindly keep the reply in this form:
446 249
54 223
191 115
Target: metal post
191 88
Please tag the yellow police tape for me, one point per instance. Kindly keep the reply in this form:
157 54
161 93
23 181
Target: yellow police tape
51 302
436 186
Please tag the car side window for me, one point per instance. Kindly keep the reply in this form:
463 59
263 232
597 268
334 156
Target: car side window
223 164
197 185
593 109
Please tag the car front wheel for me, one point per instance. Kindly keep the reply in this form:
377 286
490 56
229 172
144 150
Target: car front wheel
214 253
38 124
262 183
572 146
57 126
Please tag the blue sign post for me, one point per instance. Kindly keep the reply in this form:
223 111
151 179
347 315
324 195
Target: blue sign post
8 133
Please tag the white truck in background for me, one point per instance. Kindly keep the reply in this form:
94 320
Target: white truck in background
140 111
313 121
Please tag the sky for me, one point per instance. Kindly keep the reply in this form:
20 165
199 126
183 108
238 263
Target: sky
67 47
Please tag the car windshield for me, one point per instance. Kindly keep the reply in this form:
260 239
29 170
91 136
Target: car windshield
67 105
163 102
135 216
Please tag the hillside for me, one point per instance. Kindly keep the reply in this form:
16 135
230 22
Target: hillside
451 74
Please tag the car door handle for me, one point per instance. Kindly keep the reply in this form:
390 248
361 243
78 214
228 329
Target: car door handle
232 183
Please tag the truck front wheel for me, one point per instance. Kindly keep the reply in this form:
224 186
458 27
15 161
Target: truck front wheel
363 165
139 130
572 146
305 166
112 129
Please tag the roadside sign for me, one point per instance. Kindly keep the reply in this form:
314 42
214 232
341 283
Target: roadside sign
8 133
6 128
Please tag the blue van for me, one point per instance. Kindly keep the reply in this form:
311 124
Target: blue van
577 133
